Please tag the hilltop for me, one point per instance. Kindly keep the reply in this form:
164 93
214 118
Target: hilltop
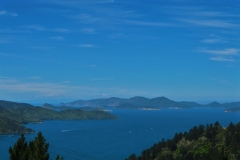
210 142
139 102
13 115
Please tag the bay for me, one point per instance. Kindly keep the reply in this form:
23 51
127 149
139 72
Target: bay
134 131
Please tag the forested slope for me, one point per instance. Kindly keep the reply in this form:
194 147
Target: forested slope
210 142
13 115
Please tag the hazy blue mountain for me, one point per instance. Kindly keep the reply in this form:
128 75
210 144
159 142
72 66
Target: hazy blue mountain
223 105
139 102
190 104
9 104
134 106
163 102
56 108
96 102
213 104
231 105
159 102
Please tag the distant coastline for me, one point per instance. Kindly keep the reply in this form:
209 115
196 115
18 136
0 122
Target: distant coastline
139 102
150 109
13 115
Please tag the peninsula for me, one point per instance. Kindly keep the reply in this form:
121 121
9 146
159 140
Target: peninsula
13 115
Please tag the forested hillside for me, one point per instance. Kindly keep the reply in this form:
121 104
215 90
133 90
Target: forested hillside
210 142
13 115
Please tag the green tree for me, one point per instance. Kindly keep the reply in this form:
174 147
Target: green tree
59 158
19 150
38 149
35 150
132 157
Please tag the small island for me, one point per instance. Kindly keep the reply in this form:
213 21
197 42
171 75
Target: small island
237 109
13 115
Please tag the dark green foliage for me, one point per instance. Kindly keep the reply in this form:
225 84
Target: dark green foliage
34 150
59 158
78 114
19 150
8 104
49 106
132 157
8 126
38 149
194 133
212 142
13 115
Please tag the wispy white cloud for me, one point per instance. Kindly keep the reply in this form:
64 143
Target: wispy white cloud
86 18
8 13
222 59
24 57
88 30
61 30
85 45
40 47
58 38
210 23
51 95
213 14
229 51
40 28
220 81
8 30
42 88
213 40
198 12
101 79
27 88
144 23
35 27
10 38
75 3
34 77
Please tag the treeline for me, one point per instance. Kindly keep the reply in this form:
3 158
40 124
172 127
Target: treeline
210 142
13 115
34 150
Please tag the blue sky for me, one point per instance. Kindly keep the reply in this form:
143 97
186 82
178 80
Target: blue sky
64 50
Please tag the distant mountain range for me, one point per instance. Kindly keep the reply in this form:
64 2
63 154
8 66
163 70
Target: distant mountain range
142 102
13 115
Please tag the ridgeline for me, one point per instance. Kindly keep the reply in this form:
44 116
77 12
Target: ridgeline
212 142
142 102
13 115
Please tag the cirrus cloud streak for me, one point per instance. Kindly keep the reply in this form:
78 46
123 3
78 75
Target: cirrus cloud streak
222 59
229 51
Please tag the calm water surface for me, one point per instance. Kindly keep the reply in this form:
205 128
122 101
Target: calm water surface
134 131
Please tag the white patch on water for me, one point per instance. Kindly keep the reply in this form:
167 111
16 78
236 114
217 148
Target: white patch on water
68 130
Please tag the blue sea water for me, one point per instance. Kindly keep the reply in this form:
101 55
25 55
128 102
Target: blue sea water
134 131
